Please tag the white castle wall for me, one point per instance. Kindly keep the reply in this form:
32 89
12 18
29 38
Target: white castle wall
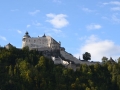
74 59
69 57
40 42
37 42
59 61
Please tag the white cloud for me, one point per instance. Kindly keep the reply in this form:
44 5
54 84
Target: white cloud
87 10
28 26
103 17
99 48
76 34
56 30
58 21
14 10
105 3
115 19
3 38
34 12
115 5
112 3
82 38
115 9
115 2
19 31
36 23
93 26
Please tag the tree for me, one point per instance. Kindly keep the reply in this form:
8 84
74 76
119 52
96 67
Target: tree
87 56
104 59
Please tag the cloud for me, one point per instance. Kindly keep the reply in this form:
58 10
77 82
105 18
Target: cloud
82 38
58 21
115 19
105 3
28 26
55 32
87 10
20 32
115 5
112 3
115 2
115 9
99 48
106 18
34 12
36 23
14 10
93 26
3 38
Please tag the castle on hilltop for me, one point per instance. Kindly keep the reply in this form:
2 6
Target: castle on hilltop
52 49
40 43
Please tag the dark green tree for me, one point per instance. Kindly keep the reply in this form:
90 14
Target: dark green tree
87 56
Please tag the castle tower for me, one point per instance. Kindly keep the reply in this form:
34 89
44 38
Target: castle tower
44 35
24 42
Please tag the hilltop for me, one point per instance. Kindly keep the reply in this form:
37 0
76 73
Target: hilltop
21 69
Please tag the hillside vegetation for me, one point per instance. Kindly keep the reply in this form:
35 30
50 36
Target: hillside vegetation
21 69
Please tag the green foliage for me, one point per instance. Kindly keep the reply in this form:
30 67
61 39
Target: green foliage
29 70
104 59
87 56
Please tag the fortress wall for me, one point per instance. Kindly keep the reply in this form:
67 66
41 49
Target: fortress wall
40 42
56 61
59 61
69 57
37 42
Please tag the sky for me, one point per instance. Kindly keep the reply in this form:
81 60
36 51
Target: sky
80 25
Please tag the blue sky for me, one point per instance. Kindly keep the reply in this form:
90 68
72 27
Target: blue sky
80 25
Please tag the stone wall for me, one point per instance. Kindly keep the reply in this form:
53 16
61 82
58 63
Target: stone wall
40 42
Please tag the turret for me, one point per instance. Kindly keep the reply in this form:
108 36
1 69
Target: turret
44 35
8 46
24 43
26 36
60 43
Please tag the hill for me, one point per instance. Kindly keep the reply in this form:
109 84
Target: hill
21 69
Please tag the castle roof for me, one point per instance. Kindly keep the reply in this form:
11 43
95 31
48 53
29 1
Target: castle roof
26 35
44 35
8 46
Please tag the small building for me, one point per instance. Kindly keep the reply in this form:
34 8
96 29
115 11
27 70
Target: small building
8 46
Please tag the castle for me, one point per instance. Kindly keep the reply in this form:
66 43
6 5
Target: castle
52 49
40 43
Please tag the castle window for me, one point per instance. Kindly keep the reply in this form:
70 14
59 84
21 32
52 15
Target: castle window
23 39
34 41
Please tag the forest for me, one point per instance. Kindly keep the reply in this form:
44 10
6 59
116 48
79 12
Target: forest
21 69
